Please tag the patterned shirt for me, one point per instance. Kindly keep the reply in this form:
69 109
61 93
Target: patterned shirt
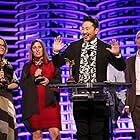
87 71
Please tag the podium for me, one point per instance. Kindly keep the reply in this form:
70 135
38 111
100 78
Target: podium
89 91
92 92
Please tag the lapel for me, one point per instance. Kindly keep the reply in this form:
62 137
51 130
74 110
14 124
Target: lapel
99 44
76 54
27 69
100 53
78 46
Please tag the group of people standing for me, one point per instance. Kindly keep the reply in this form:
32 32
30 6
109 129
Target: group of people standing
40 104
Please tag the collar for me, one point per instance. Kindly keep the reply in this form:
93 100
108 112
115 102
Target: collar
93 41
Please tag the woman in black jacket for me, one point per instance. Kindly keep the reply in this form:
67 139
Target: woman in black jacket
40 104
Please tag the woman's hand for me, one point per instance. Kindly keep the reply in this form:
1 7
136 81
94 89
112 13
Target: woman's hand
45 82
38 72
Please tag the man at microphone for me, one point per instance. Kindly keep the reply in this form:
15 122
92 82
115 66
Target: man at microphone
90 116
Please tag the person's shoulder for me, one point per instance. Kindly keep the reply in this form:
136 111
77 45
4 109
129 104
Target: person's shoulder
131 57
102 43
76 41
8 64
27 64
51 64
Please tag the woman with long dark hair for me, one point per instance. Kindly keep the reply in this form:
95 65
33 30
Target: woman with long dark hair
40 104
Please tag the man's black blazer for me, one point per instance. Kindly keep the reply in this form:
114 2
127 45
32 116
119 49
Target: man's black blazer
73 52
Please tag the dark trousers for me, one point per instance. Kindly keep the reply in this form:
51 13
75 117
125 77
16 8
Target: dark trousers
92 120
136 117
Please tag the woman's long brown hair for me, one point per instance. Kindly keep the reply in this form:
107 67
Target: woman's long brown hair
45 56
5 45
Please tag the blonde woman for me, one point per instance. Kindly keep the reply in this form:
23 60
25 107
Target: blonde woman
8 81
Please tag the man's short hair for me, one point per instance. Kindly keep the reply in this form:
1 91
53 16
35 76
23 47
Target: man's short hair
93 20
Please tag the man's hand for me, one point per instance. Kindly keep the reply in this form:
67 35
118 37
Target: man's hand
114 47
57 44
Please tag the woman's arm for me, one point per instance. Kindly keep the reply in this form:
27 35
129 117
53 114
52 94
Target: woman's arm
12 86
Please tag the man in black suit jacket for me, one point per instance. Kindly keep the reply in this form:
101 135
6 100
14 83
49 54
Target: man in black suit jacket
132 75
91 57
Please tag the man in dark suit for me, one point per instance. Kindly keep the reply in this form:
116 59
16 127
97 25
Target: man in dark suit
132 75
91 57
